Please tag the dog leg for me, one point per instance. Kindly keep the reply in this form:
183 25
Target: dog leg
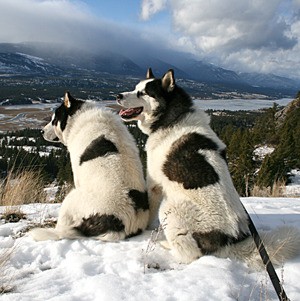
180 240
155 198
184 247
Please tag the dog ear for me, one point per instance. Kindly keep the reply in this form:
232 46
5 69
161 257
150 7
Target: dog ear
67 100
149 74
168 81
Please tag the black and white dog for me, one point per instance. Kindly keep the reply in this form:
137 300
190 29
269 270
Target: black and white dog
188 178
109 201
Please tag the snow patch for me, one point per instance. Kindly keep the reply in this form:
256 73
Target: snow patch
91 270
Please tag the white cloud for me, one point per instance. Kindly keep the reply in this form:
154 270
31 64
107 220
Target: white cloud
254 35
151 7
38 20
66 22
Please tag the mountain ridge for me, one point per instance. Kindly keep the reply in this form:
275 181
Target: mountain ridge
29 59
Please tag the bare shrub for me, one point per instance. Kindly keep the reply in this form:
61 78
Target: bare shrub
23 187
6 285
261 191
20 188
277 190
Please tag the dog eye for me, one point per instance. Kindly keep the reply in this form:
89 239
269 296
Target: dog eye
55 121
139 94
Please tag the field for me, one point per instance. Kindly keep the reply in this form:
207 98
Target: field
19 117
34 116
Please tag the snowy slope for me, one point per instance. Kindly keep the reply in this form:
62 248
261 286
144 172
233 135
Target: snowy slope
137 268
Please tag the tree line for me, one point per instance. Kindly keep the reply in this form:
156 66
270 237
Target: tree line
241 131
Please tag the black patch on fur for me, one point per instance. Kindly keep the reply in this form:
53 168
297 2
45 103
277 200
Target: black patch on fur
99 147
62 113
173 105
185 165
139 199
138 232
97 224
214 240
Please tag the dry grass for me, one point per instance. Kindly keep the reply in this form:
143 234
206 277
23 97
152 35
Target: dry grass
20 188
5 280
23 187
277 190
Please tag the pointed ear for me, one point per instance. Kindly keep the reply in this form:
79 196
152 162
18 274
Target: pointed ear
168 81
149 74
67 102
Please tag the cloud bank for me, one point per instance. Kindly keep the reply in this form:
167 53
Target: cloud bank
247 35
258 35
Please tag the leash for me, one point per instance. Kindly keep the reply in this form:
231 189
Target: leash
267 262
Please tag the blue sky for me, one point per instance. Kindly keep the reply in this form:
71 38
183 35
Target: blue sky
127 13
255 36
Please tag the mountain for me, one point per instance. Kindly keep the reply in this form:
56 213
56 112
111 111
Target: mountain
268 80
51 59
282 115
12 64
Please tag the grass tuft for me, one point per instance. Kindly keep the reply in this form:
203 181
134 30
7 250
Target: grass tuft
22 187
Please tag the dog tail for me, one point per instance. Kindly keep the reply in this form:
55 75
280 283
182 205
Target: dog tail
103 229
39 234
281 244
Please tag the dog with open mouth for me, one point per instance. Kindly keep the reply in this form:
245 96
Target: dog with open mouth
188 180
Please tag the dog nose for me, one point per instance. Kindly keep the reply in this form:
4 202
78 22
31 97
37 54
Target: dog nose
119 96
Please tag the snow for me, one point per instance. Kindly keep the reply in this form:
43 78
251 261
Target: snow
293 189
137 268
236 104
261 151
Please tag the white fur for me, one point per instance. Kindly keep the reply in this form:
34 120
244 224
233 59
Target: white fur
183 212
101 183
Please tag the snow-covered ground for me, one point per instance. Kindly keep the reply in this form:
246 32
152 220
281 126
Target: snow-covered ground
293 189
136 268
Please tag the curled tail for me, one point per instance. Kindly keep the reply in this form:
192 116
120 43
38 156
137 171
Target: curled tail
281 244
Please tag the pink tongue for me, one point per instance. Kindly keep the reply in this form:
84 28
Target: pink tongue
126 112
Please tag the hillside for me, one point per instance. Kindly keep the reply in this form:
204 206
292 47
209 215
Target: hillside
51 67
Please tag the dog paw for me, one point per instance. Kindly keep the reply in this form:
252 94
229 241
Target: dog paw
165 244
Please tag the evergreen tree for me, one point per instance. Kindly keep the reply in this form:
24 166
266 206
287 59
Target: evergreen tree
242 165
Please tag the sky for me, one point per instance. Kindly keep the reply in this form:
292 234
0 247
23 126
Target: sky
249 36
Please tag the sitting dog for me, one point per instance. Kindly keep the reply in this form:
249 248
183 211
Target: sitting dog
109 201
188 178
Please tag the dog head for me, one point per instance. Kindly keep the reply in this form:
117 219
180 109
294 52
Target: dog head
53 131
155 103
148 101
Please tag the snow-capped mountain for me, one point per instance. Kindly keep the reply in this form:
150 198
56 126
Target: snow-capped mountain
24 64
45 60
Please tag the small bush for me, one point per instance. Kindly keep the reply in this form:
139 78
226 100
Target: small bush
277 190
23 187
